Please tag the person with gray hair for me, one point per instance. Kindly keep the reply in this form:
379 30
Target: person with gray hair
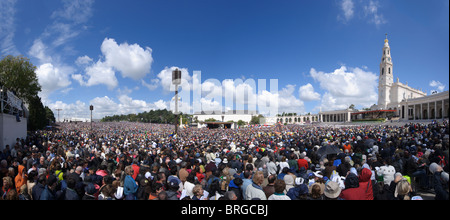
254 190
230 195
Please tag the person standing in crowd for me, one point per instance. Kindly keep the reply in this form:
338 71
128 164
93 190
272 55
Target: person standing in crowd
332 191
130 186
269 188
7 187
255 190
280 188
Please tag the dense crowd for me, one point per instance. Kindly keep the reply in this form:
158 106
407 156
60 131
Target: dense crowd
137 161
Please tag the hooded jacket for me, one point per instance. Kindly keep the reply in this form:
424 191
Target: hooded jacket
365 184
130 187
19 180
352 190
295 192
236 189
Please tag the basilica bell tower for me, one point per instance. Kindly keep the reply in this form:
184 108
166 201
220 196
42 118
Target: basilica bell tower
386 78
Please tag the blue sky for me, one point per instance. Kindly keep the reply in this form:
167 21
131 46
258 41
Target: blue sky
118 55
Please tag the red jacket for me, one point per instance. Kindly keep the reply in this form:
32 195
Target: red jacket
136 170
302 163
364 191
353 194
365 184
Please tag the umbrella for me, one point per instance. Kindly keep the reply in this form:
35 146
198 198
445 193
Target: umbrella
329 149
369 143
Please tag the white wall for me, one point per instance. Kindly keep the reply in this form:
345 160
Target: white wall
218 117
398 89
10 129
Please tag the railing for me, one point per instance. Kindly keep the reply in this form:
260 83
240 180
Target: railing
10 103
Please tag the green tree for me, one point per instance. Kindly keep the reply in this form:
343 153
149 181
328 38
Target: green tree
49 116
37 118
257 120
153 116
241 123
18 75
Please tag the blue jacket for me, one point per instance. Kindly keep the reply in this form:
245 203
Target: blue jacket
236 189
48 194
129 186
37 191
295 192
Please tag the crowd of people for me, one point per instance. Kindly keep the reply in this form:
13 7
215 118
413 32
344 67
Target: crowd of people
141 161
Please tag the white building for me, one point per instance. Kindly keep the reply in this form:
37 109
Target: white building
231 115
435 106
409 103
405 102
391 93
294 119
336 116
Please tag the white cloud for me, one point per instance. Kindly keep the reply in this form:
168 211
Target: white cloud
165 78
39 51
160 104
208 105
97 74
438 85
268 103
68 21
347 7
104 106
344 88
212 94
364 10
84 60
132 61
307 93
150 86
7 27
371 11
53 74
287 102
52 78
78 109
75 11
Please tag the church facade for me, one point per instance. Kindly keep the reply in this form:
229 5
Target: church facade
408 103
405 102
390 93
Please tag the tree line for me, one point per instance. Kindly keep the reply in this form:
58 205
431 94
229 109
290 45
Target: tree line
160 116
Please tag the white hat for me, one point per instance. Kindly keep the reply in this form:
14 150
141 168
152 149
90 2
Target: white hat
148 175
299 181
317 174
